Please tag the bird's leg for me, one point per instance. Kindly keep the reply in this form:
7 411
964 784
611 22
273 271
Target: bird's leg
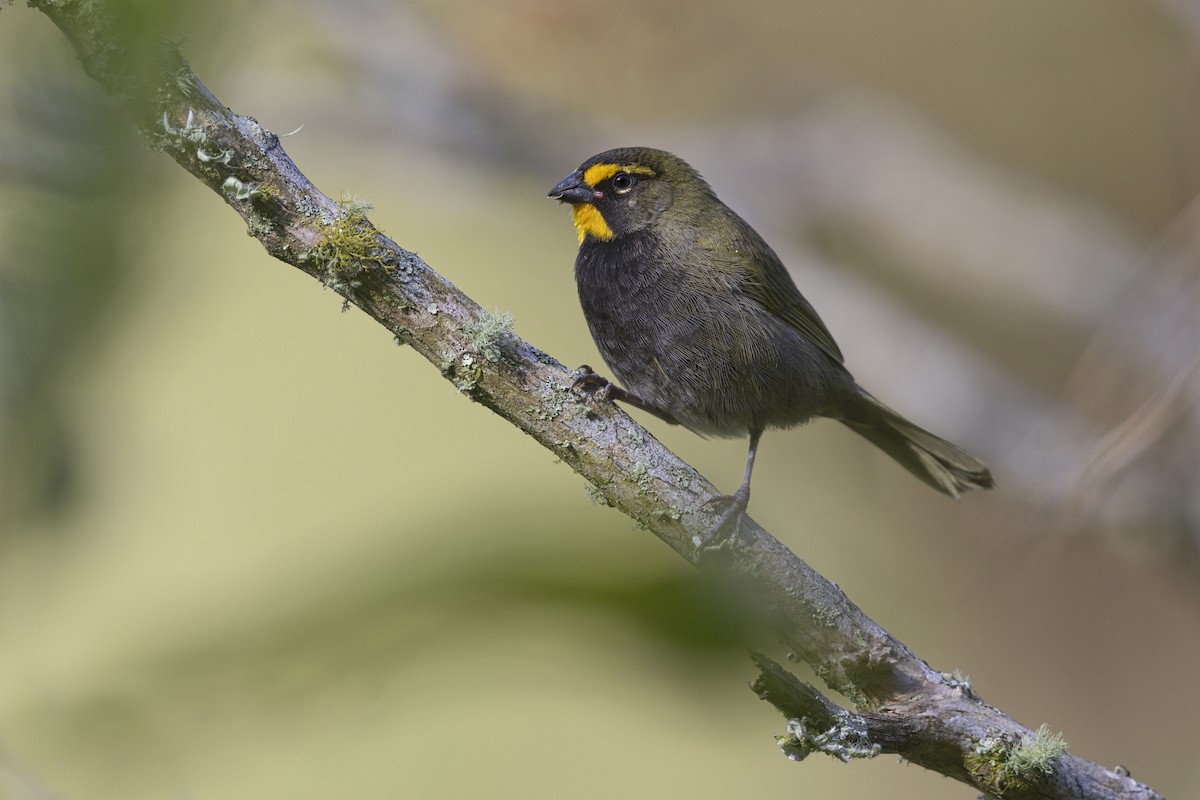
730 524
592 384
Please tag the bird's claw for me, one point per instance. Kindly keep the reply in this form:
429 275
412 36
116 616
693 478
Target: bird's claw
590 384
729 526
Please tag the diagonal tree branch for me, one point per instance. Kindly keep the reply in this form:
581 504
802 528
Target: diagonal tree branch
906 707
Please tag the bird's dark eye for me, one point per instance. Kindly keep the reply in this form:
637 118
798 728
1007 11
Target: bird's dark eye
622 182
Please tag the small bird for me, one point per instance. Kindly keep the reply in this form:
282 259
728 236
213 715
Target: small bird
700 322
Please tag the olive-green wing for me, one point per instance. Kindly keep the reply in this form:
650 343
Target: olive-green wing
777 293
766 280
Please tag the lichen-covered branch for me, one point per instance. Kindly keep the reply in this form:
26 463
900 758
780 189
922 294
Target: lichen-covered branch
905 707
931 730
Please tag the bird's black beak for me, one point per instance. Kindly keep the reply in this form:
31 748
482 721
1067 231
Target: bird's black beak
573 190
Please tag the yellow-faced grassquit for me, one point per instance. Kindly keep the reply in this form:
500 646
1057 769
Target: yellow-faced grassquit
700 322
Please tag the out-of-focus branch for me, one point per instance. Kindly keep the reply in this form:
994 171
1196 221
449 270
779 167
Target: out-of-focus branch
938 721
1139 379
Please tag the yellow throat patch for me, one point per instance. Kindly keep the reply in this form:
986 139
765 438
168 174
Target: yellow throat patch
587 218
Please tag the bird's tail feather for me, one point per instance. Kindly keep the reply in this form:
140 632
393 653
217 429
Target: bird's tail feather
941 464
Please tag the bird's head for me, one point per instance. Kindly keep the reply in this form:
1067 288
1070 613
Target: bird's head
623 191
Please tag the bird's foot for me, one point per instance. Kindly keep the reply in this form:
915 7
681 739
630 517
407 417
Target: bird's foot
589 384
729 525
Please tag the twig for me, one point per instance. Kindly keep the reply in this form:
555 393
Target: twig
908 708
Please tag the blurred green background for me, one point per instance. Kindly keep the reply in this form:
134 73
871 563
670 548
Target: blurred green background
251 548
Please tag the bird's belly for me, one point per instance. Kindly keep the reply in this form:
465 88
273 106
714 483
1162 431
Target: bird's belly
720 365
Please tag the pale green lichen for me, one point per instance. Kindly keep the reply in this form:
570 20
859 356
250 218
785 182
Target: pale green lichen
1036 754
961 682
641 476
1004 762
670 512
353 204
349 245
553 395
466 383
220 156
466 372
306 206
845 740
193 135
597 496
243 190
551 407
487 333
485 337
185 81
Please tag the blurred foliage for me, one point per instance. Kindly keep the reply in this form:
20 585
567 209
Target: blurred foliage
65 185
72 186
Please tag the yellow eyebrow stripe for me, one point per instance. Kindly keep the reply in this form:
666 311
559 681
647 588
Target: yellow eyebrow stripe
596 173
